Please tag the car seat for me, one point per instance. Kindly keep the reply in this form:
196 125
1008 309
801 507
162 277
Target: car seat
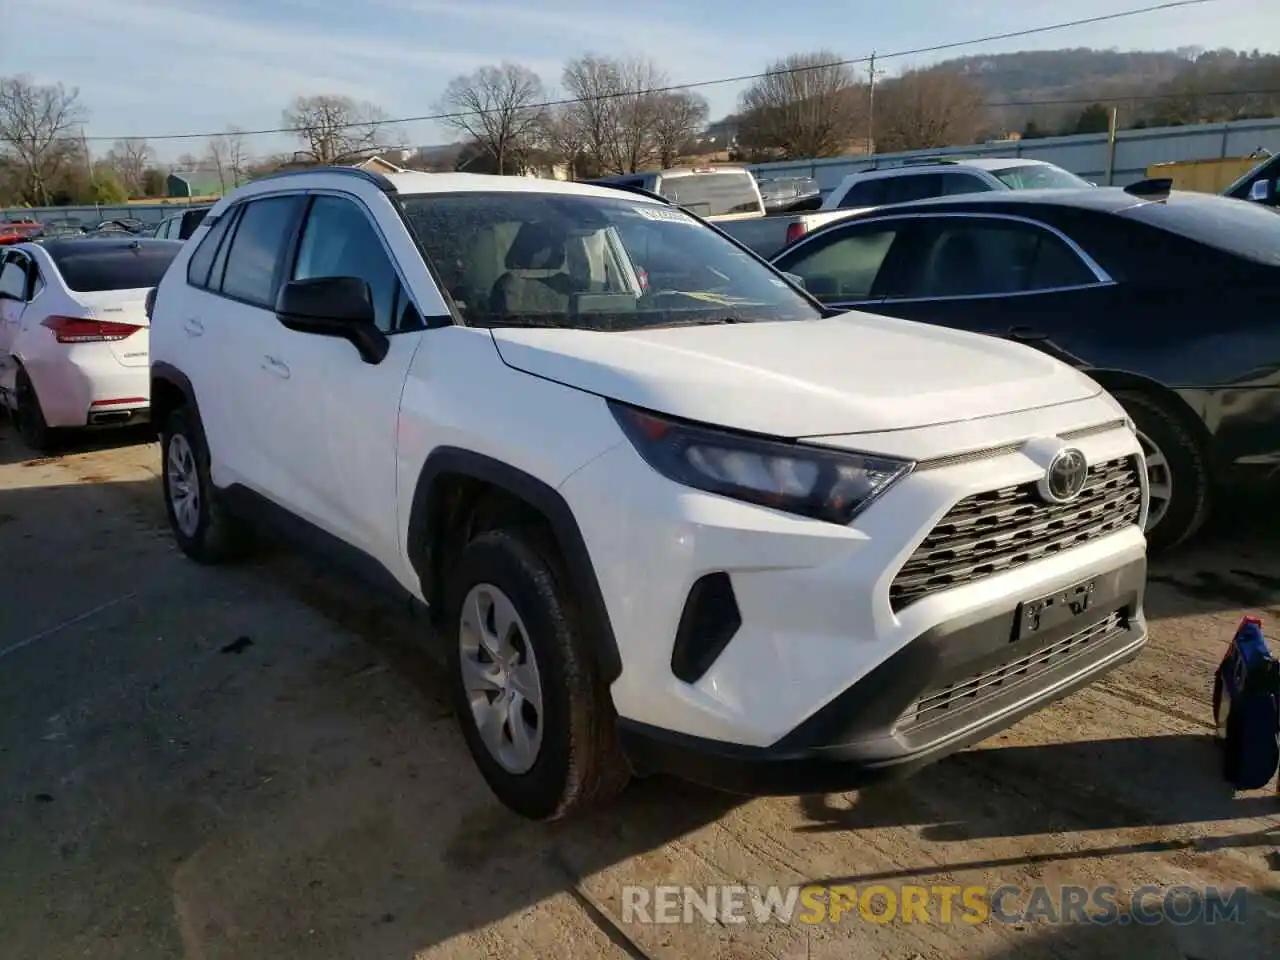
534 281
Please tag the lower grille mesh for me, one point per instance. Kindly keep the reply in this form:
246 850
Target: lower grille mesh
973 690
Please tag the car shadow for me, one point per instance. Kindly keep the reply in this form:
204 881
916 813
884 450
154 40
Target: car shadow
1232 564
365 830
13 450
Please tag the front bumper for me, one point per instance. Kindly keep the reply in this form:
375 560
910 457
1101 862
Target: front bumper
952 686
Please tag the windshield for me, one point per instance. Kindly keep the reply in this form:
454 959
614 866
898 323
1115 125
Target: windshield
89 270
525 259
1239 227
1038 176
712 194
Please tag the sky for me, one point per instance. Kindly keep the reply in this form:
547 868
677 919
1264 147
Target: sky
146 68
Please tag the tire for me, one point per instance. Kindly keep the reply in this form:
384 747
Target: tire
577 762
205 531
1175 461
28 417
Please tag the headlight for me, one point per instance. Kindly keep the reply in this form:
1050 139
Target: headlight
826 485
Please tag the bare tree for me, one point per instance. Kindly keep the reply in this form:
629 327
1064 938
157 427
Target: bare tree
563 135
805 105
225 155
237 155
130 159
637 109
615 109
335 129
499 108
216 159
928 108
680 118
37 132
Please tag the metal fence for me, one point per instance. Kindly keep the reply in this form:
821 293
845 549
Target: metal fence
92 215
1087 155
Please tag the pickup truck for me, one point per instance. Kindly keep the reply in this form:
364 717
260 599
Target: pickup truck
721 193
768 235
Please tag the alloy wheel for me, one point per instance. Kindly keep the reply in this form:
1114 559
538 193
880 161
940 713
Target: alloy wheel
1159 481
501 679
184 485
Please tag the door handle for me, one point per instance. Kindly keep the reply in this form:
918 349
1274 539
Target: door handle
193 326
1025 334
276 365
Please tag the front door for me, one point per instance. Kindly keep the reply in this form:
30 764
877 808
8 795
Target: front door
333 416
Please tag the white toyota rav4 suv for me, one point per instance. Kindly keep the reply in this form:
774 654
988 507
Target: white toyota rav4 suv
666 515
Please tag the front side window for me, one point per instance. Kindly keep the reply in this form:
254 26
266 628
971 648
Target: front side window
1039 176
987 257
260 238
844 267
339 241
594 263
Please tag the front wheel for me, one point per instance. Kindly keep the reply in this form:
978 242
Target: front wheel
535 715
1177 472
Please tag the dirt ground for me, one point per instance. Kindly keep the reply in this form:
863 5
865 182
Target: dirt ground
259 762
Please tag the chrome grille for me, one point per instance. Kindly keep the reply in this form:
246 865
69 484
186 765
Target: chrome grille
993 532
973 690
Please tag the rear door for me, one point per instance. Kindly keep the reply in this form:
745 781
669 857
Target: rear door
1007 276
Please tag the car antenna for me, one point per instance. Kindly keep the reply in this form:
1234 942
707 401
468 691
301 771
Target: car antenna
1154 188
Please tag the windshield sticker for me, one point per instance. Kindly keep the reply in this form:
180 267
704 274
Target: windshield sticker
655 212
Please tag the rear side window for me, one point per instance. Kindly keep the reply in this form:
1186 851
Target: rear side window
202 258
190 220
915 186
91 270
954 183
255 253
867 193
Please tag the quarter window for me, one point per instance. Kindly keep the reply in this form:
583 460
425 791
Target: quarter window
260 237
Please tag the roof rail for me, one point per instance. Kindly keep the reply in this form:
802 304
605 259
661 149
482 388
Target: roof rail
377 179
629 188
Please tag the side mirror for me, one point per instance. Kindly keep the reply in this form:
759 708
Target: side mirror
1260 191
334 307
795 278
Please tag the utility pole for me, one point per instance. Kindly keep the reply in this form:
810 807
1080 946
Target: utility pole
871 105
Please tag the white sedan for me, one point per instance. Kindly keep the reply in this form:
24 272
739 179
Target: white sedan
74 331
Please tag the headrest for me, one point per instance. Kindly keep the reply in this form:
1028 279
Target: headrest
536 247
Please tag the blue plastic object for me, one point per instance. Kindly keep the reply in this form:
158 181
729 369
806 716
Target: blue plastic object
1246 708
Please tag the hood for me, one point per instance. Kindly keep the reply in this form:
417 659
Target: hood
854 373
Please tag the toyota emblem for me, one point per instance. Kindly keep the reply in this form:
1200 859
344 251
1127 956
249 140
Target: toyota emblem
1066 476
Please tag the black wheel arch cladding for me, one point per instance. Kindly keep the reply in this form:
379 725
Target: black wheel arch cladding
428 528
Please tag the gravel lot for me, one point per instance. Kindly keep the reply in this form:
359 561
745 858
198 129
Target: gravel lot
260 762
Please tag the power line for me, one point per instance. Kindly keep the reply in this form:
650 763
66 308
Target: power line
701 84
